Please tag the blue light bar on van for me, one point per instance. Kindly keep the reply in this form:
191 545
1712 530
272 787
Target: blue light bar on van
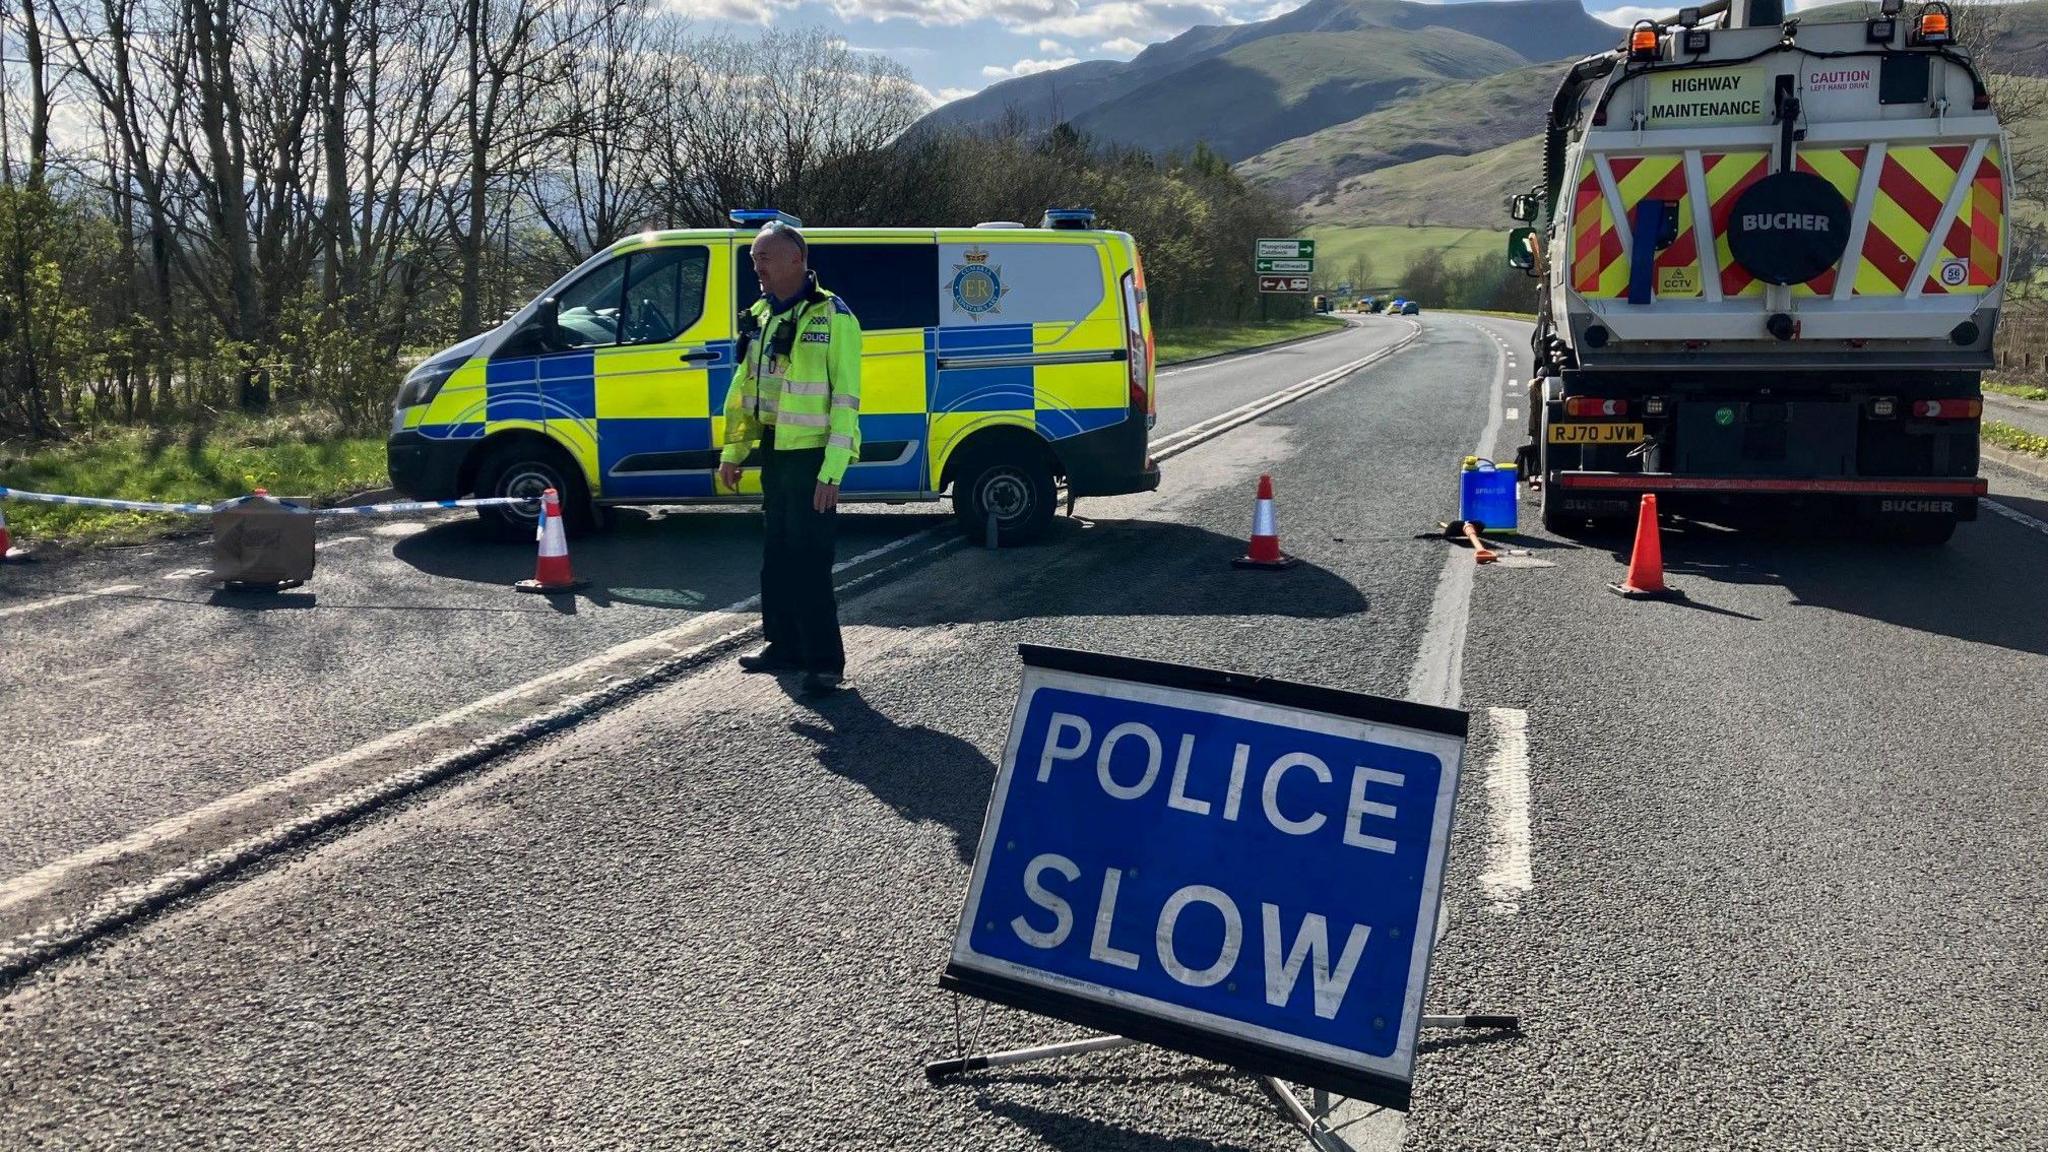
756 217
1068 218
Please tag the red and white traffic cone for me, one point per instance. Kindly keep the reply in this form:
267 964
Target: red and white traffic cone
7 549
551 571
1265 549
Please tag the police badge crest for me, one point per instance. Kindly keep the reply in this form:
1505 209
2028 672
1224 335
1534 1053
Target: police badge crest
977 286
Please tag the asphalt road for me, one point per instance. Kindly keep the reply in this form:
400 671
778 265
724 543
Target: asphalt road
137 692
1761 871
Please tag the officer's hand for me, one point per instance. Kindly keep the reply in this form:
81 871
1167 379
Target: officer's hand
826 498
729 475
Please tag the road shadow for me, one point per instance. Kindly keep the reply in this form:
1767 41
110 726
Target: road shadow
1082 567
1116 568
686 560
923 775
1965 590
1075 1133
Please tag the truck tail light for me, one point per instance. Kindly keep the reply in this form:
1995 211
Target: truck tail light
1948 409
1581 406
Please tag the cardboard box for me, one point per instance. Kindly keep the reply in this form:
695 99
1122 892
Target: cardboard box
263 541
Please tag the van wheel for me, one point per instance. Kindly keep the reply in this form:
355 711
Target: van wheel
1017 491
525 469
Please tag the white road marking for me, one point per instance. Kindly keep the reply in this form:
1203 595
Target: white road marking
1435 679
1507 877
185 573
1514 413
2016 516
72 598
339 540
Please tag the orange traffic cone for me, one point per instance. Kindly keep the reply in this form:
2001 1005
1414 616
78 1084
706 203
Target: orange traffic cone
551 572
1265 550
7 550
1645 580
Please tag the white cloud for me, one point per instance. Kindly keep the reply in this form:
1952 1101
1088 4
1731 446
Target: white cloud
1025 68
1121 46
1148 19
1068 20
1055 48
943 95
1627 15
1280 8
737 11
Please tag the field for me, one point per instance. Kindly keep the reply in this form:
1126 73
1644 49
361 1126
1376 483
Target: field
1390 248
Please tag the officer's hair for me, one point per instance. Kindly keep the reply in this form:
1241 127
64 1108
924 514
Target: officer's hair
778 228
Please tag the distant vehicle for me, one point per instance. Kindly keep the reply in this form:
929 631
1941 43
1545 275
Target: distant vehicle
1395 305
1322 302
1410 308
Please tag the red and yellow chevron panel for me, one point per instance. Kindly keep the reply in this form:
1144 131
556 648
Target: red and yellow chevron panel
1842 168
1729 174
1970 249
1597 265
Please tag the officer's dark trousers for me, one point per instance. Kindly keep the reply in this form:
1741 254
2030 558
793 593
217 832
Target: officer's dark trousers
799 615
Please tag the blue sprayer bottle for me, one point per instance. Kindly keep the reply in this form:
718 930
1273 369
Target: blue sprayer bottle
1487 496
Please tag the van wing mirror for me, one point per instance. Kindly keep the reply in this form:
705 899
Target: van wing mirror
1522 249
1522 208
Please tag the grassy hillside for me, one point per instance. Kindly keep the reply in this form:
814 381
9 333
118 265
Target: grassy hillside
1259 94
1458 191
1455 119
1389 249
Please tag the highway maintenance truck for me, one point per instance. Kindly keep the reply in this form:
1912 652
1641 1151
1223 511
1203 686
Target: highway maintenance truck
1772 258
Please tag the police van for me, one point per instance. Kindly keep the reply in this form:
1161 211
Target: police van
998 362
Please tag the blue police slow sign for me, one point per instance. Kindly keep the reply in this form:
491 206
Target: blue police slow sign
1240 868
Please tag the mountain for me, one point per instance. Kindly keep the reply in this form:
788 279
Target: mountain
1273 89
1246 87
1445 119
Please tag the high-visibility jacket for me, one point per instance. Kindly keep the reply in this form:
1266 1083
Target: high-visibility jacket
801 374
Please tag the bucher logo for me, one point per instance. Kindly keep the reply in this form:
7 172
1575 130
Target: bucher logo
1786 221
1917 506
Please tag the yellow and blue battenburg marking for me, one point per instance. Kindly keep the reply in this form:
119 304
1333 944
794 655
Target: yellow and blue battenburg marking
1035 347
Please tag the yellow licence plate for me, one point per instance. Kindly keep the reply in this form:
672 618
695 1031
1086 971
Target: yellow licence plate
1596 433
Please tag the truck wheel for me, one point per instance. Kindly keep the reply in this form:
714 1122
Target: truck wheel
1017 491
526 468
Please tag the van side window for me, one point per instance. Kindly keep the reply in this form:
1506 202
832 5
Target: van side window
642 298
664 294
886 285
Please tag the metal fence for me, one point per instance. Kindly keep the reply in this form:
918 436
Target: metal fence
2022 348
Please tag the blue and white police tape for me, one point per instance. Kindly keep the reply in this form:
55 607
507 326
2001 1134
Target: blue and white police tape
425 506
209 509
98 502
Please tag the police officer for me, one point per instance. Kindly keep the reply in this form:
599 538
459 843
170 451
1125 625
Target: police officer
796 394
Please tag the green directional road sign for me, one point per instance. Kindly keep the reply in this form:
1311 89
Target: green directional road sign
1288 249
1293 266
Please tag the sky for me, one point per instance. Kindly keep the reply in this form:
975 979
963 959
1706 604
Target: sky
955 48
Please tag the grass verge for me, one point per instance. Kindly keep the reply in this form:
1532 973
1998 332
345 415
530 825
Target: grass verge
2015 439
290 456
2019 391
1194 343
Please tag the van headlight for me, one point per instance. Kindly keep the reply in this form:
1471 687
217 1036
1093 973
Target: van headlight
423 383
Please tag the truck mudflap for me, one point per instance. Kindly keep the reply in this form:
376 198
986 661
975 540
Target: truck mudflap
1954 497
